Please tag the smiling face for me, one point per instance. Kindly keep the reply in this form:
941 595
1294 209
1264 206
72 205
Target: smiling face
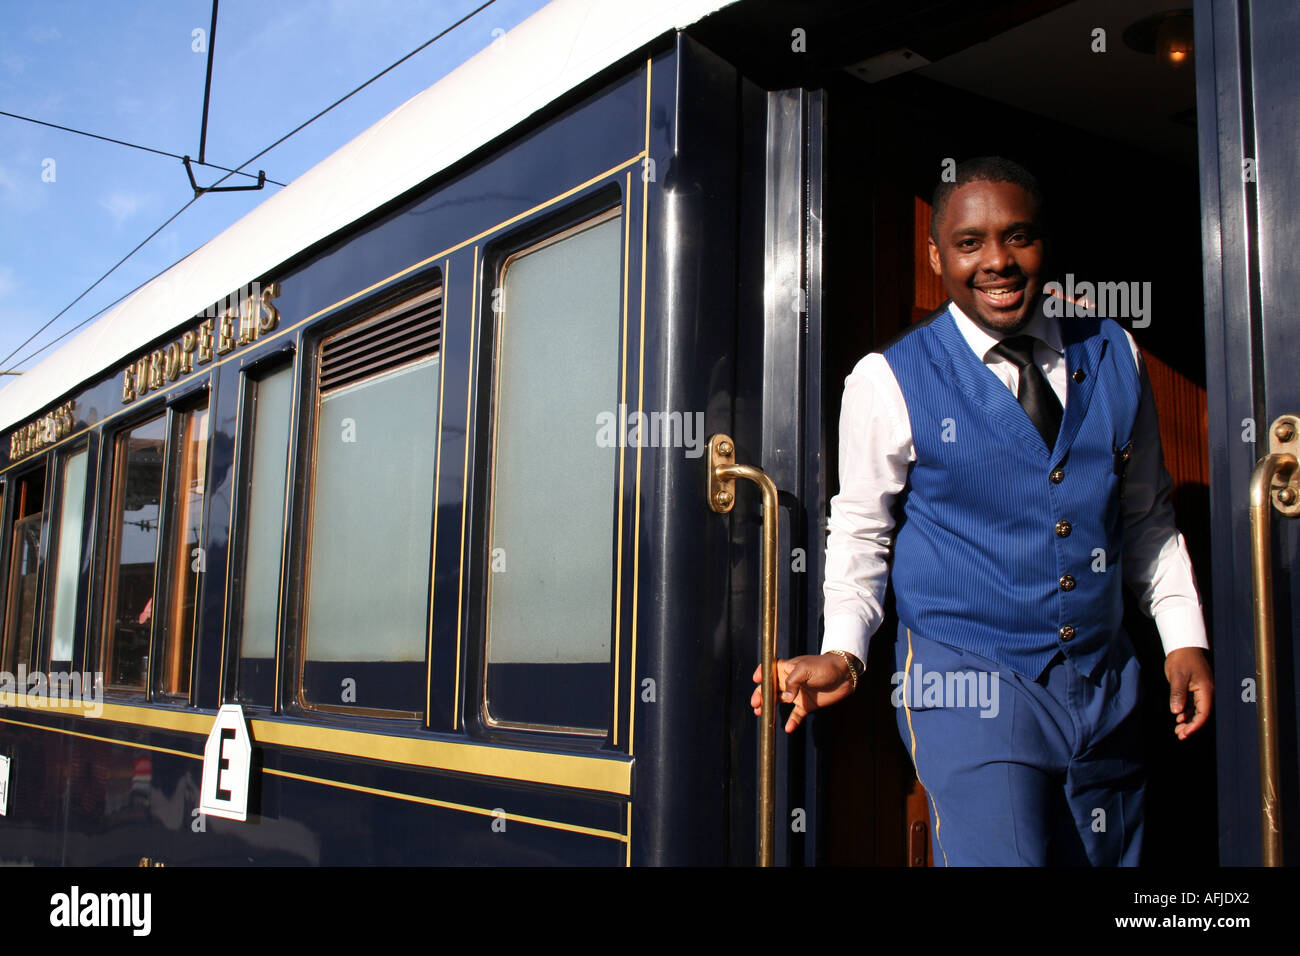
990 254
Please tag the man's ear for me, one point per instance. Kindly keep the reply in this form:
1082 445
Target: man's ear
935 264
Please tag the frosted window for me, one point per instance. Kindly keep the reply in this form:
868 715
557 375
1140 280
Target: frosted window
552 540
265 531
71 515
371 533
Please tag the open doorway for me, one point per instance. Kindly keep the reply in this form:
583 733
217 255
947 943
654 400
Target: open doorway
1109 130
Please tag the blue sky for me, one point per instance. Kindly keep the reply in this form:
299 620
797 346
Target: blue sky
128 69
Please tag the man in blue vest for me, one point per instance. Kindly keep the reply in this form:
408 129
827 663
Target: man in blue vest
1008 460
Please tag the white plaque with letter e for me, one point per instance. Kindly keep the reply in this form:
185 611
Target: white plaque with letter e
227 760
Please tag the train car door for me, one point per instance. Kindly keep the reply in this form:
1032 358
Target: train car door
1248 93
779 391
736 280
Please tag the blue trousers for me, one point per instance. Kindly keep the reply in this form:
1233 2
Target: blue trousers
1022 772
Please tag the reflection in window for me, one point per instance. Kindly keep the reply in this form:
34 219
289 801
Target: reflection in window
133 554
23 573
264 534
185 551
550 611
21 617
72 507
368 572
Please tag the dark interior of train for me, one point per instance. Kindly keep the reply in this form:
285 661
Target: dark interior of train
1109 128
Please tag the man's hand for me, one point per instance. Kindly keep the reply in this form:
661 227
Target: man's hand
810 682
1188 670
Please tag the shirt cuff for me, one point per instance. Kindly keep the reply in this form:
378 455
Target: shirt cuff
1182 625
844 632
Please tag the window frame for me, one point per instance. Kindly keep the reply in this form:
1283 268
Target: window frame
107 530
172 510
85 550
605 204
303 474
111 551
38 465
251 376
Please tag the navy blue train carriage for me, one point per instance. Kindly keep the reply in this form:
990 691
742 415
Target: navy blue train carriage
437 464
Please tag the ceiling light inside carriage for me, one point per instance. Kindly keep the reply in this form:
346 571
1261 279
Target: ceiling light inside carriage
884 65
1167 35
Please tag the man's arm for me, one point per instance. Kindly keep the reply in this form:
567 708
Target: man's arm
876 452
1158 569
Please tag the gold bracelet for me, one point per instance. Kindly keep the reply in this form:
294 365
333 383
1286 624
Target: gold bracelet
853 671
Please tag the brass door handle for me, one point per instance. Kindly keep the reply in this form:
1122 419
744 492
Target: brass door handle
723 472
1275 481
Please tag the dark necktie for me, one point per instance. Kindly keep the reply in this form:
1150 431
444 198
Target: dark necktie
1035 394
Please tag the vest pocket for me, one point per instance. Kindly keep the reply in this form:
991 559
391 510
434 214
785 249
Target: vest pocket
1122 457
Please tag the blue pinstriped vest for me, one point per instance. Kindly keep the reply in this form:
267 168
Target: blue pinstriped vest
983 557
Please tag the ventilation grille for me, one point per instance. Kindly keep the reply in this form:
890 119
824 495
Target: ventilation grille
408 333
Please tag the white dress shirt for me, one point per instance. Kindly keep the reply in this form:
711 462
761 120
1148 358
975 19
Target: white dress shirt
876 452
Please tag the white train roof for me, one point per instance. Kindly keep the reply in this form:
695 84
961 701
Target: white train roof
556 48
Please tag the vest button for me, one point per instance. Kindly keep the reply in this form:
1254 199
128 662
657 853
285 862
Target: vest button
1063 529
1067 582
1080 375
1067 633
1057 476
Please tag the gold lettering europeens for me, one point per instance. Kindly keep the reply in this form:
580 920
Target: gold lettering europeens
156 369
239 319
142 376
226 332
172 361
248 308
205 341
42 432
270 316
189 341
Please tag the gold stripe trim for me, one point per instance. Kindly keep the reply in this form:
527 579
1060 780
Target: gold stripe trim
464 493
110 740
287 330
622 455
448 805
640 402
429 801
186 722
437 478
286 514
907 670
526 766
529 766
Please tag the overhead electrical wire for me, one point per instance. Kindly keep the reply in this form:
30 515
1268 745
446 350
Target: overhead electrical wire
122 142
91 318
237 171
87 290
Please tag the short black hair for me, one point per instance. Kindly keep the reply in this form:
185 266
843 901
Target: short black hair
993 169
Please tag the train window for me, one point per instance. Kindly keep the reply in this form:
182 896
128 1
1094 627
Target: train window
267 469
67 558
23 567
24 571
371 524
133 554
550 604
188 465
